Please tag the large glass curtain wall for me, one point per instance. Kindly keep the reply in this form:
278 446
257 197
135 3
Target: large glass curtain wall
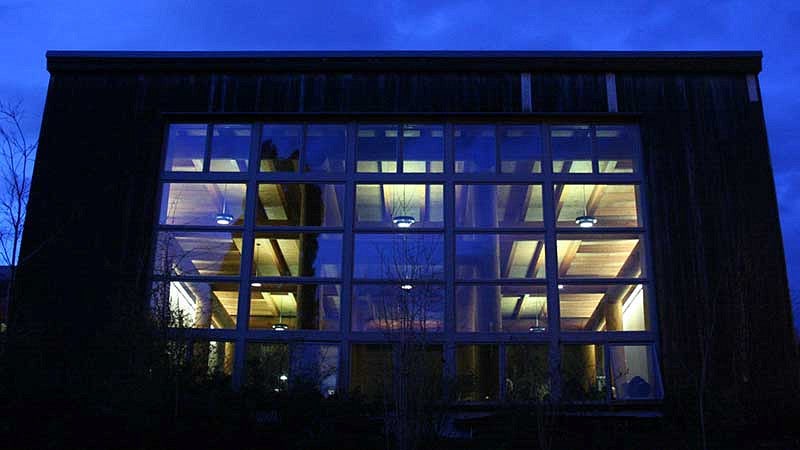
516 254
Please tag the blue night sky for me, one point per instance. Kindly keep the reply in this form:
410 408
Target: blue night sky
29 28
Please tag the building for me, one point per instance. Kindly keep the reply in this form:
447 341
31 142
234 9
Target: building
582 223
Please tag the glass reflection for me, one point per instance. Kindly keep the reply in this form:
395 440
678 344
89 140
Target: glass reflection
213 359
186 147
370 370
612 205
280 148
571 146
325 148
617 148
501 308
583 373
183 304
315 366
600 256
398 307
505 205
267 367
383 204
633 374
202 204
423 148
198 254
527 373
297 254
520 149
300 204
616 307
494 256
297 306
230 148
477 372
376 148
475 149
401 257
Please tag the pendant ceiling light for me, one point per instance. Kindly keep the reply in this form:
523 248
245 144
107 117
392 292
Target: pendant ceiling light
258 248
586 220
537 327
223 218
404 221
280 326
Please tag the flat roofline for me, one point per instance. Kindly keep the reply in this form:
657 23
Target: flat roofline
271 61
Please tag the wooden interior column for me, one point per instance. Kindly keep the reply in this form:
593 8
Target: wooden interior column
613 313
590 367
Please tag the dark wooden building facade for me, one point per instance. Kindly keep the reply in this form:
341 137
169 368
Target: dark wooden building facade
717 275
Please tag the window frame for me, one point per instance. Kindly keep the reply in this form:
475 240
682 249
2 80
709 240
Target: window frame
448 338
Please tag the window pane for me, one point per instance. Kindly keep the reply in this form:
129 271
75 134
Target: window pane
475 148
325 148
493 256
267 367
214 358
370 370
583 373
294 306
376 148
633 373
477 377
280 148
398 307
198 254
230 148
297 254
202 204
600 256
617 148
571 146
398 256
527 376
399 205
423 148
520 149
300 204
597 205
505 205
315 366
501 308
617 307
186 147
195 305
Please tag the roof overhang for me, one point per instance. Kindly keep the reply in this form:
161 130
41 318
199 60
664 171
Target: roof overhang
393 61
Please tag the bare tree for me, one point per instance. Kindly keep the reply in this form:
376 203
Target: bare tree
407 311
17 155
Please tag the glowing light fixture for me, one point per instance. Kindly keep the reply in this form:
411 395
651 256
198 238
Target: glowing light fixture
560 287
280 326
404 221
537 327
256 283
223 218
586 220
283 377
406 287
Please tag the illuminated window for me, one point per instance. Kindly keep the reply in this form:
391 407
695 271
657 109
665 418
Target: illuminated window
385 205
499 206
359 232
